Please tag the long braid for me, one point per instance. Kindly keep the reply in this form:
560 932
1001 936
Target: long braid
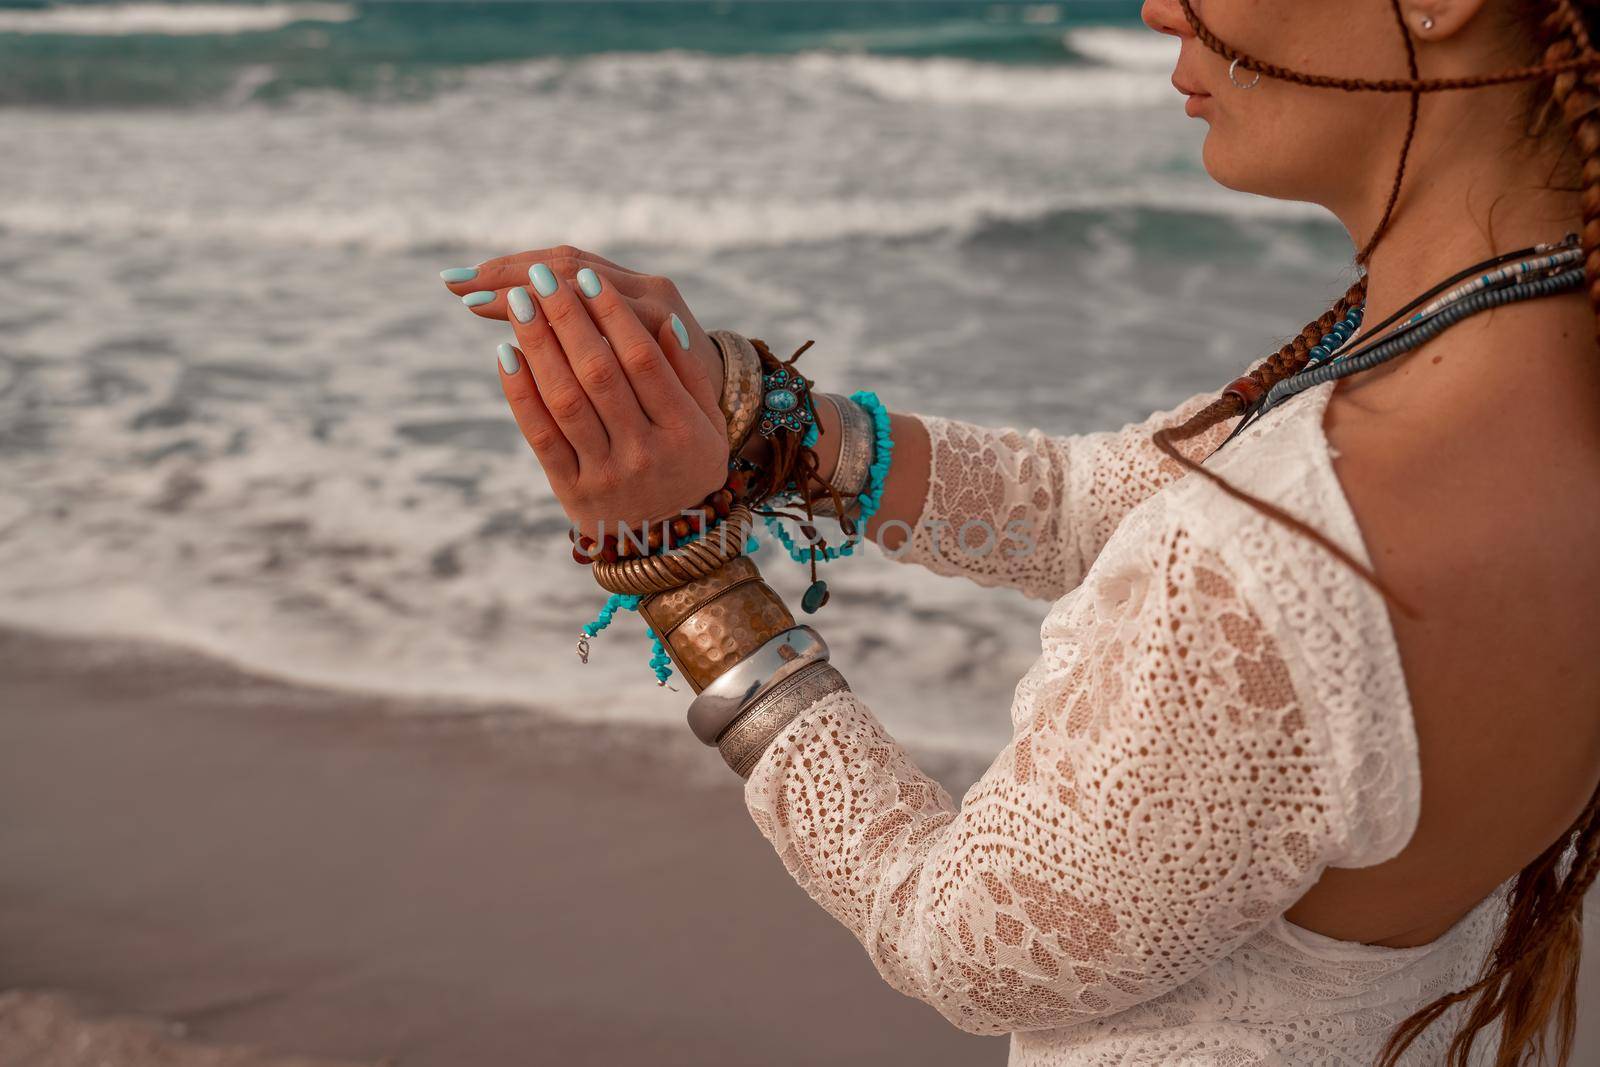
1529 980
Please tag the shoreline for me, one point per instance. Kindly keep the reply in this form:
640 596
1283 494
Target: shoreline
308 872
224 869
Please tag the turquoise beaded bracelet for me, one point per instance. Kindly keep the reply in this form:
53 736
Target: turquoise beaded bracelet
870 500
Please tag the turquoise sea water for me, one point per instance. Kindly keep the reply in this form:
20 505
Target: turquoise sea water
238 410
105 54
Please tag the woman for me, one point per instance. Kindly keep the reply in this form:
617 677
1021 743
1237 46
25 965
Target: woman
1306 770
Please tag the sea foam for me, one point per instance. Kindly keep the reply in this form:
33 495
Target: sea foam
167 20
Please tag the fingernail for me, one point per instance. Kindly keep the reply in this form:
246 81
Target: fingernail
680 331
508 358
521 304
543 279
482 296
589 282
459 274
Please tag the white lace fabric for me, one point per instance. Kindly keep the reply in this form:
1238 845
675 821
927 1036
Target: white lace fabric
1217 714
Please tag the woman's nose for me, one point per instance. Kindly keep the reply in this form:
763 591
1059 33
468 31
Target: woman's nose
1165 16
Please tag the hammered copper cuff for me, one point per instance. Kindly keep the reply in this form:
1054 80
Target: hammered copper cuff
711 623
742 392
743 743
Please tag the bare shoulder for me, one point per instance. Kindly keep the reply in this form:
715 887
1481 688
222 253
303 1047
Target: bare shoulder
1479 503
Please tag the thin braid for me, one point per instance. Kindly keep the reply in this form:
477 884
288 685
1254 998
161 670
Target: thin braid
1239 396
1405 149
1588 60
1529 980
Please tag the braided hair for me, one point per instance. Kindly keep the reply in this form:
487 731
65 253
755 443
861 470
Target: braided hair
1529 981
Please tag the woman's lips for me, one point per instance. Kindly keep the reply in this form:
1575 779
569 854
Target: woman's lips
1196 99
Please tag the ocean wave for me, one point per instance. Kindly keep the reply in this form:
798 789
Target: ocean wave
947 81
1125 48
167 20
818 77
711 223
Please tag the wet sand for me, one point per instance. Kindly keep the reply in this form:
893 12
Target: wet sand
238 861
336 875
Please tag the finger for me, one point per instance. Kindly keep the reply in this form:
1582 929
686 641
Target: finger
544 436
524 260
504 273
484 303
592 360
563 395
484 293
677 342
661 394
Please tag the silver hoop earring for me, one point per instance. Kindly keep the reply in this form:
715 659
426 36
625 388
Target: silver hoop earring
1427 23
1237 84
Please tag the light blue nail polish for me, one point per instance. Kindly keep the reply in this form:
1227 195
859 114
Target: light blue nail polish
508 358
459 274
482 296
680 331
543 279
589 282
521 304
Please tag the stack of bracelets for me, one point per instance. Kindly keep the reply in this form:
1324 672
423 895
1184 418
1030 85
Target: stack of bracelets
691 578
713 617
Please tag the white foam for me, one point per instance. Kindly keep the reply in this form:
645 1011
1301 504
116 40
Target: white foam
1127 49
949 81
709 224
168 20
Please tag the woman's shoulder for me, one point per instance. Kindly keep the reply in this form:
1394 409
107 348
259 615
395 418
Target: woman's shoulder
1328 629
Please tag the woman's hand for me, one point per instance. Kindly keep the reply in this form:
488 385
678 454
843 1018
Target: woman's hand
654 298
627 431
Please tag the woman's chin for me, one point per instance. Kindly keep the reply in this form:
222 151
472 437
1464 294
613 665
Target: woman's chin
1231 169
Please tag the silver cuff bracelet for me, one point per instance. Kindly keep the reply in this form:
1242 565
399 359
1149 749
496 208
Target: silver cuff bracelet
721 702
857 434
753 732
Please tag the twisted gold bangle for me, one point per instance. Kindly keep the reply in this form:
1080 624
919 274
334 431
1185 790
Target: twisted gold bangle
644 575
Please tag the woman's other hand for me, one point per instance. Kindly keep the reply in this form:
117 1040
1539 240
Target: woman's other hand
654 299
627 431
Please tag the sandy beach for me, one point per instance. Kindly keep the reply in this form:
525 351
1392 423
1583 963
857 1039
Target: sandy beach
257 871
329 875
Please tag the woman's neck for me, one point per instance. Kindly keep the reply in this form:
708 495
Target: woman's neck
1444 225
1456 210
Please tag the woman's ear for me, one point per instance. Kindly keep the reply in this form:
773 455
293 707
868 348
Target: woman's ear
1438 20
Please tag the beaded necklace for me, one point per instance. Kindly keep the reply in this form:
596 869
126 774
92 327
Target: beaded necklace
1526 274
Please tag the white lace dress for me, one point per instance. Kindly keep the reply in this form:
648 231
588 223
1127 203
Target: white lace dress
1217 714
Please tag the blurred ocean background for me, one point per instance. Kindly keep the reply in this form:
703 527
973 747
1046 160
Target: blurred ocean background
238 411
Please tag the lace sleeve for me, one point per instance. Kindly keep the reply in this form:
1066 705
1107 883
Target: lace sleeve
1175 781
1032 511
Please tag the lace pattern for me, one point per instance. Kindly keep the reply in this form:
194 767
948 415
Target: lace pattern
1202 734
1032 511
